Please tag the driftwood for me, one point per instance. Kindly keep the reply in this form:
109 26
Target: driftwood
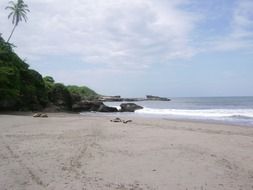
118 120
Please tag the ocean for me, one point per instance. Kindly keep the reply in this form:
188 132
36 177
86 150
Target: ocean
231 110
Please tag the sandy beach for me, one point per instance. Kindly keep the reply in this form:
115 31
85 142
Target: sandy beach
67 151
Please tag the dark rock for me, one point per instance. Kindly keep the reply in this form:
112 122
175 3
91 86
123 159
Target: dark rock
98 106
157 98
119 99
60 96
86 106
110 99
133 99
104 108
129 107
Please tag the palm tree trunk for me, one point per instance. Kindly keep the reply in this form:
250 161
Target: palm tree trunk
11 33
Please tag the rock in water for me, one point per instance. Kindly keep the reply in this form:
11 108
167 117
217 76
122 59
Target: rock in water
129 107
104 108
156 98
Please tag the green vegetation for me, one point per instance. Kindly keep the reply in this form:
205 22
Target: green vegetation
60 96
83 91
18 13
22 88
64 96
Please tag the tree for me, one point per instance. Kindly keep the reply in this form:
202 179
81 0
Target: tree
18 13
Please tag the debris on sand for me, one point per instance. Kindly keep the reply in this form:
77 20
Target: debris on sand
37 115
118 120
44 115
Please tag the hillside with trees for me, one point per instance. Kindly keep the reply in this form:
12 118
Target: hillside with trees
22 88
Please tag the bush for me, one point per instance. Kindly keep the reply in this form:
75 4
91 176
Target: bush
83 91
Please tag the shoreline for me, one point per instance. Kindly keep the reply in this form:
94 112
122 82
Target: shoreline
168 118
129 114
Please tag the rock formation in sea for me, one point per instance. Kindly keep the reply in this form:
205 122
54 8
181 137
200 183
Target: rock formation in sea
129 107
156 98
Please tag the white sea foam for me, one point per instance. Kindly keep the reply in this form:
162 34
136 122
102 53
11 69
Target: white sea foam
203 113
234 110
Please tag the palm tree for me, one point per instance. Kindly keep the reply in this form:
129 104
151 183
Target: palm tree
18 13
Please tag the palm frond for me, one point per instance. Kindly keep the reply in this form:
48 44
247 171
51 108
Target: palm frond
24 17
9 16
12 3
23 11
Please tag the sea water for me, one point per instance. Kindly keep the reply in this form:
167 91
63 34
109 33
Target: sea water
233 110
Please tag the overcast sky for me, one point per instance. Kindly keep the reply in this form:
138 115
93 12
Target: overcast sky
138 47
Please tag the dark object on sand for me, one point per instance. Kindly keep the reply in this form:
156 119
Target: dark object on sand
118 120
44 115
127 121
37 115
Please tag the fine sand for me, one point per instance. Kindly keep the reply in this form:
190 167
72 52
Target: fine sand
77 152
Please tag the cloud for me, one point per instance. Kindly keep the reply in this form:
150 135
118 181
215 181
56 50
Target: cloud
243 20
129 34
103 80
241 34
122 33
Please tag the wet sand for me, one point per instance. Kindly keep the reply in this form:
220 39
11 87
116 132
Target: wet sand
67 151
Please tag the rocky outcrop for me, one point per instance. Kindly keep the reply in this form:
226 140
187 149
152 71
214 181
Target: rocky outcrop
104 108
129 107
110 99
85 106
60 97
51 108
133 99
156 98
120 99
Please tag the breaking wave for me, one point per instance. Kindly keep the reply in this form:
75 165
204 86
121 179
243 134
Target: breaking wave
201 113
